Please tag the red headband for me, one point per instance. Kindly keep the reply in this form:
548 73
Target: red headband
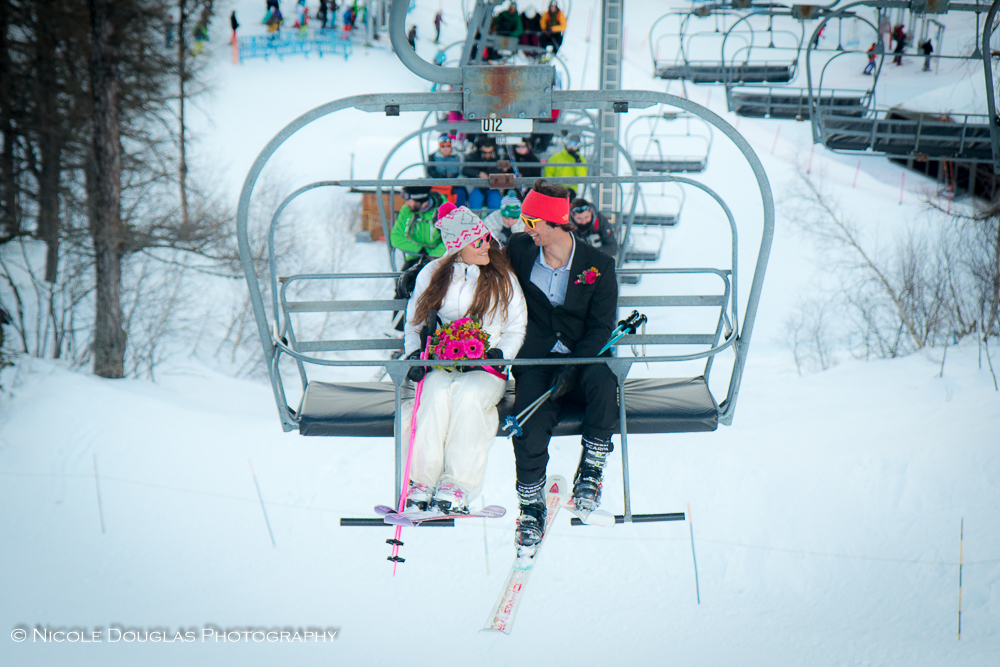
550 209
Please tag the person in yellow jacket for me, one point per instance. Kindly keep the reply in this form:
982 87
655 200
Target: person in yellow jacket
553 26
568 163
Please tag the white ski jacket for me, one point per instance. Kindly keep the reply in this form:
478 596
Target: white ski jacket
506 334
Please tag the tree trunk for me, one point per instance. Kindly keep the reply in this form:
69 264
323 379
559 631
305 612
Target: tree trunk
50 128
10 224
181 77
105 220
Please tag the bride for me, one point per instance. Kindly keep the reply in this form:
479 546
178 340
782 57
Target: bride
457 417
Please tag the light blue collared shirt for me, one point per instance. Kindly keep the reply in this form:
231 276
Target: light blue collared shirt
553 282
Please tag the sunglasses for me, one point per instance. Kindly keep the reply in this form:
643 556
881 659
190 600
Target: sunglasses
580 209
481 241
530 222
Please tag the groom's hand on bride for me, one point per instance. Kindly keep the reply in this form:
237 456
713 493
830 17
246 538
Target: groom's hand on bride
494 353
416 373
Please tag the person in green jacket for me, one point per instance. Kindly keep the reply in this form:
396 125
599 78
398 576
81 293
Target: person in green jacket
568 163
414 232
508 23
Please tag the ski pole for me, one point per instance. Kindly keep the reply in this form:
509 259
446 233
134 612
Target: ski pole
512 424
395 542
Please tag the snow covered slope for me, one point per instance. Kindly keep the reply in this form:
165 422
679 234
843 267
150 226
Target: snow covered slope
826 519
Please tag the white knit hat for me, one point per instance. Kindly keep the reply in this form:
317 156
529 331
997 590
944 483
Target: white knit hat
459 226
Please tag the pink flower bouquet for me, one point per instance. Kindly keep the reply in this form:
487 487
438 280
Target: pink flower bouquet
462 339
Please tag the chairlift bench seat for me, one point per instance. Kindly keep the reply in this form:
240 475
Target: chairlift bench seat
790 105
654 220
693 73
668 165
366 409
641 255
721 73
906 137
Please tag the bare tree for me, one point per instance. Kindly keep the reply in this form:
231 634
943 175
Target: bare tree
809 336
899 300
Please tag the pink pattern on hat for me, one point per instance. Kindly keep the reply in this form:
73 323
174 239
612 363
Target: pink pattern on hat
459 226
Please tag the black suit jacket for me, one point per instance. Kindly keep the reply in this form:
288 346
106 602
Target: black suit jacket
585 320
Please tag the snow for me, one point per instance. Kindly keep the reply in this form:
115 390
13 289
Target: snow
967 95
825 519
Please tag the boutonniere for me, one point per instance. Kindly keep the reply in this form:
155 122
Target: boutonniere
588 277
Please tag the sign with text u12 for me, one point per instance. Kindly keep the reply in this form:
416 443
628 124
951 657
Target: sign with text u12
507 125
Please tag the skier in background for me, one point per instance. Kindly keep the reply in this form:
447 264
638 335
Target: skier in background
927 49
200 37
592 227
486 151
899 34
438 20
507 219
414 232
447 164
301 15
321 14
553 26
411 37
170 31
523 153
274 20
568 163
531 23
870 67
234 24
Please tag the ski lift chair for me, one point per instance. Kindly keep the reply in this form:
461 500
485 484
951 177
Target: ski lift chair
648 227
695 401
764 101
687 40
659 131
894 133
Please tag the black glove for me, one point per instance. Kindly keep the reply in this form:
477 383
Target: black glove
494 353
416 373
564 381
428 329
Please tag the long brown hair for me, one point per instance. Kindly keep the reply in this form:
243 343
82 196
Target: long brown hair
493 289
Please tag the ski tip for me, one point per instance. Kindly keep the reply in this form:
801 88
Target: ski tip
397 520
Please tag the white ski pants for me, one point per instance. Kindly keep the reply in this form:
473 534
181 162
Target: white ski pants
456 425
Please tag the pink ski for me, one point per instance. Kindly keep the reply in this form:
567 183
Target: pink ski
416 517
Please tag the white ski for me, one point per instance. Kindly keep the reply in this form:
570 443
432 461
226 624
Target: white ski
502 617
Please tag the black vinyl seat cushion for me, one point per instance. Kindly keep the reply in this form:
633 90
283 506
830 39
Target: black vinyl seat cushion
652 405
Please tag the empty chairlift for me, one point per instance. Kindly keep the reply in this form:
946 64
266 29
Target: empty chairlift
688 45
900 132
762 47
669 142
659 208
847 35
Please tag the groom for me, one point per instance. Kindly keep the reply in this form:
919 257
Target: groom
572 296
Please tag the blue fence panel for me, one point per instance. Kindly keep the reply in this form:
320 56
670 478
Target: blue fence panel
284 44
